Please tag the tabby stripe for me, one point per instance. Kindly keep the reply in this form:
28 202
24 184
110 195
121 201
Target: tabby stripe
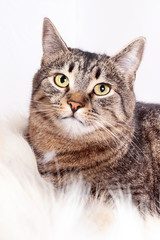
122 103
71 67
36 89
98 73
59 154
95 65
47 172
36 152
41 98
38 83
113 114
76 170
43 115
89 58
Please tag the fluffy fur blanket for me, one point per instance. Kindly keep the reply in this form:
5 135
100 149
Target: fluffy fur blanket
30 209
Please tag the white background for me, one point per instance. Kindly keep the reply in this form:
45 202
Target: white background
103 26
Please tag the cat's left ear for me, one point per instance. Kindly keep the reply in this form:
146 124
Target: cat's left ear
129 58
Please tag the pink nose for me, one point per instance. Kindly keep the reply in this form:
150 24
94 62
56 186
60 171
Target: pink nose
75 105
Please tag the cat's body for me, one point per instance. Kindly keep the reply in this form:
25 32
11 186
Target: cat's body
84 121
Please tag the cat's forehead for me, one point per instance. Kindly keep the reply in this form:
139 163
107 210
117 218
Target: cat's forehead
82 67
86 62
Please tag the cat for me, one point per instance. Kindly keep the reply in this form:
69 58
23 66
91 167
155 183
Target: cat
85 122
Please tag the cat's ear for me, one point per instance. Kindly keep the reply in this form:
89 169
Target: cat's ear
52 41
129 58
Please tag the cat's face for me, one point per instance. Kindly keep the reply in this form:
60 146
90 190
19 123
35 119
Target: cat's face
80 92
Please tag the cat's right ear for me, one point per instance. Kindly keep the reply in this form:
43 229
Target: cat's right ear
52 41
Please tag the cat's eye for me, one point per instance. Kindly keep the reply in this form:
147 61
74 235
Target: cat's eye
61 80
102 89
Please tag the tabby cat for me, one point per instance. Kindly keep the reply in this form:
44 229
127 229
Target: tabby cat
84 121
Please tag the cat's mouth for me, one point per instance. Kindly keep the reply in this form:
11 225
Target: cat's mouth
74 126
73 118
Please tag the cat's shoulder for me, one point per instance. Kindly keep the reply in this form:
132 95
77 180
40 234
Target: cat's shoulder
144 108
148 113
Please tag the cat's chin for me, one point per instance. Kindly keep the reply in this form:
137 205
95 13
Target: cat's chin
74 127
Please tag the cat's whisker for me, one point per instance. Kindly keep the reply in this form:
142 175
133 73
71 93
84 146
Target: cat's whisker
45 104
46 111
128 128
106 130
40 101
104 139
126 137
124 125
128 140
121 140
109 132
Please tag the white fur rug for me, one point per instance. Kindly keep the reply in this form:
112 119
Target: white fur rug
29 208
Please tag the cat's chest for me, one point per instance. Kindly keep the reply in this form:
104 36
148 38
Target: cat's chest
69 155
73 155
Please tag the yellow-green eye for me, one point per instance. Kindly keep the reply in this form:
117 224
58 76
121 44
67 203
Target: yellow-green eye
61 80
102 89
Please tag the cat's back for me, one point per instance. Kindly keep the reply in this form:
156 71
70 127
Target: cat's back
148 115
147 118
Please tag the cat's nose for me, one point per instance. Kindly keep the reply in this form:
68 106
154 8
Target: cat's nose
75 105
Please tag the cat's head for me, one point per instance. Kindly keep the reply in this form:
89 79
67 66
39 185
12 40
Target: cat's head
79 92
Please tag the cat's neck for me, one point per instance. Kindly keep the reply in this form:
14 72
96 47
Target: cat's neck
81 151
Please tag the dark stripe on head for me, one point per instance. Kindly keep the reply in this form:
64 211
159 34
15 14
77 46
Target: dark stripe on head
122 103
98 73
71 67
88 59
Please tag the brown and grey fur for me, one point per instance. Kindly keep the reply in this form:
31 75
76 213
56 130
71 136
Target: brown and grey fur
120 147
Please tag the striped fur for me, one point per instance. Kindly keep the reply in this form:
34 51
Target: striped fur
111 141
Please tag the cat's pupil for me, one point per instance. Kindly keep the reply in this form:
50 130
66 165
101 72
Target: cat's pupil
63 79
102 88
